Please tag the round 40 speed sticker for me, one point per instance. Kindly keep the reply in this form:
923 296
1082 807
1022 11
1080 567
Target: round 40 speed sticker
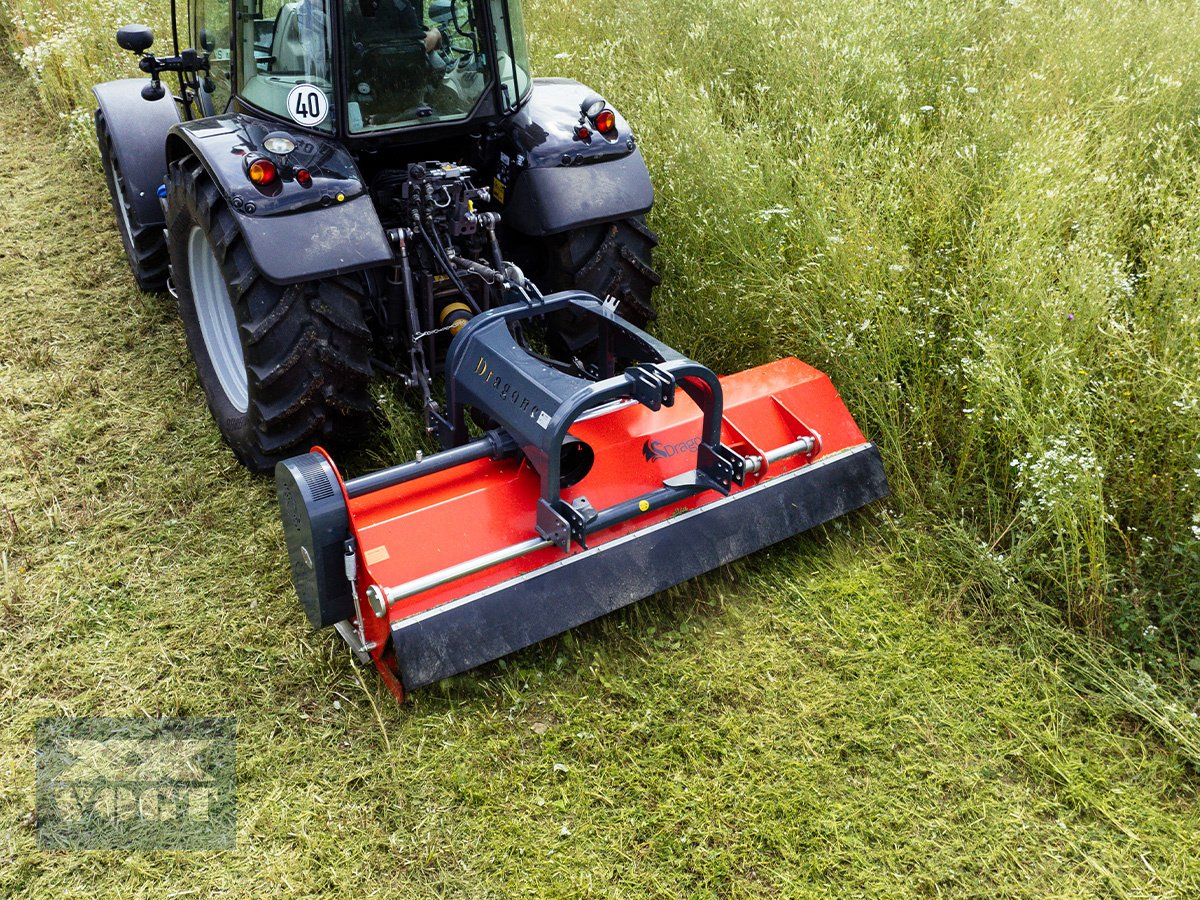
307 104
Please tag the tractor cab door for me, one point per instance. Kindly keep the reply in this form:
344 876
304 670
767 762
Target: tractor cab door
210 33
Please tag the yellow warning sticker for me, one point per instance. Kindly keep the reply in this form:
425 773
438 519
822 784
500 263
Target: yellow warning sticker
498 190
376 555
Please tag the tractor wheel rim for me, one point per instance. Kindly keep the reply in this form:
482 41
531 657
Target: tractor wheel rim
218 324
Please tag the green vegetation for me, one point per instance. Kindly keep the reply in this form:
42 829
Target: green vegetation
980 219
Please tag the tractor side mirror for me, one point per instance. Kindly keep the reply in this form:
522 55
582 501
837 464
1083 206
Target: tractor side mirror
135 38
206 41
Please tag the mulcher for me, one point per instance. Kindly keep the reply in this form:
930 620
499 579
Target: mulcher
339 189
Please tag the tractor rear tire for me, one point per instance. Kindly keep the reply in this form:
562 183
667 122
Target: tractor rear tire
611 260
614 262
283 367
145 244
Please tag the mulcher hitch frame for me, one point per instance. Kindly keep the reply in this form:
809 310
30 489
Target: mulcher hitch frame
489 370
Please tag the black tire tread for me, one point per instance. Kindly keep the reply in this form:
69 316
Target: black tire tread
612 260
145 245
306 346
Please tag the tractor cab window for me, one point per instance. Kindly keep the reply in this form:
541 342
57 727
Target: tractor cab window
416 62
513 56
210 36
286 59
406 65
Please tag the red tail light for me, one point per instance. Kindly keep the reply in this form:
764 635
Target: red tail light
262 172
606 122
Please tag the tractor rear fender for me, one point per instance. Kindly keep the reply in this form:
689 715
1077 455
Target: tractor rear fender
138 129
296 228
560 182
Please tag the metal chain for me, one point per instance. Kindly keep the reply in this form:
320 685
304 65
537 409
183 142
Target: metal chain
421 335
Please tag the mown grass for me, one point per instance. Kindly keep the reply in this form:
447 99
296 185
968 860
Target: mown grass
1005 276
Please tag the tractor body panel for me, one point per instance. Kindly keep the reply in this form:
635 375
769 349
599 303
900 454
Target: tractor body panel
295 231
138 128
550 180
552 200
543 129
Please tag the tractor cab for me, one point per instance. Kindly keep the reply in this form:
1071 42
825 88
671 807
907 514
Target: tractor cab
355 68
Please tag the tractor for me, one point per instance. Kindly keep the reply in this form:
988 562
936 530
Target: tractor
271 188
336 190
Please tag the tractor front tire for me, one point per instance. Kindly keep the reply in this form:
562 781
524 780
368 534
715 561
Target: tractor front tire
283 367
145 245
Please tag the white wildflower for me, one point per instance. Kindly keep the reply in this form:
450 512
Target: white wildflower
1052 482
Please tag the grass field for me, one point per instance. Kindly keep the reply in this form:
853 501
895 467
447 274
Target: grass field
981 219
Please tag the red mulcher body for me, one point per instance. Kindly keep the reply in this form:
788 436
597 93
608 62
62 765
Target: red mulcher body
588 496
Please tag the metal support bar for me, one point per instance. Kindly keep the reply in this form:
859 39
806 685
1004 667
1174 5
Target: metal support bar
494 444
453 573
383 597
804 445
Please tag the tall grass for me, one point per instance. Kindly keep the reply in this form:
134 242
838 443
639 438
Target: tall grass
66 46
981 218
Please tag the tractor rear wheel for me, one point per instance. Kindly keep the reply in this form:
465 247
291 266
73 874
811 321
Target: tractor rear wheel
145 245
282 367
613 260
